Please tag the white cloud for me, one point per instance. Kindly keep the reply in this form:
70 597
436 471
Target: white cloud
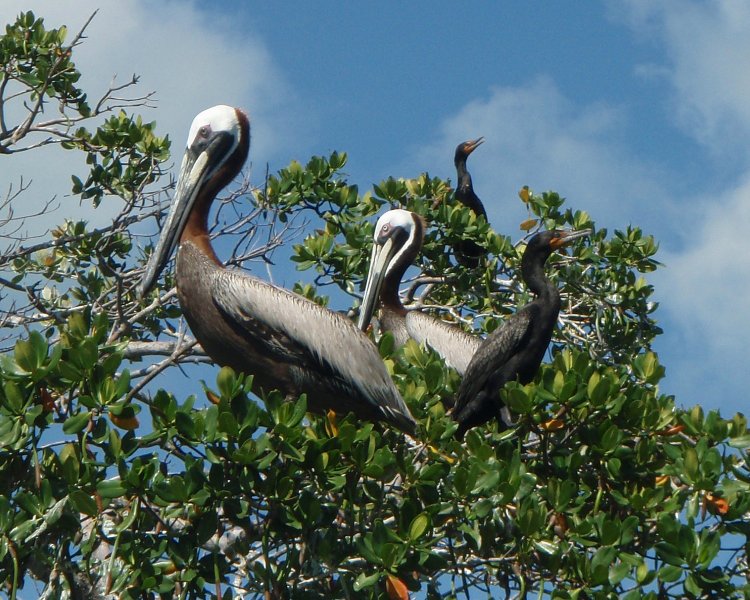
704 290
707 47
535 136
192 59
706 282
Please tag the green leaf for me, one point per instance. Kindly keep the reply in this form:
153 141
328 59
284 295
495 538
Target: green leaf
547 547
227 423
365 581
518 400
611 438
598 388
128 521
690 461
603 558
83 502
27 352
610 532
296 415
618 572
691 585
643 575
419 526
13 396
741 442
669 554
226 382
670 573
112 488
77 422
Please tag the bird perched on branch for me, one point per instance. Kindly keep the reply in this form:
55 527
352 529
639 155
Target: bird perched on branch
284 340
397 241
514 351
467 252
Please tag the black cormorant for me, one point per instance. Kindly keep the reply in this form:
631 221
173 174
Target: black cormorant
515 349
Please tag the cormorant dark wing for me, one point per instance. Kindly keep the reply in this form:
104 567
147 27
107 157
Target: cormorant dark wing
485 375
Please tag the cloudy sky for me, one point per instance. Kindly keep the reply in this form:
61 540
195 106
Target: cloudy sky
638 112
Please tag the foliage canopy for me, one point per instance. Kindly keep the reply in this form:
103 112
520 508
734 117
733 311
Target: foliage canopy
109 485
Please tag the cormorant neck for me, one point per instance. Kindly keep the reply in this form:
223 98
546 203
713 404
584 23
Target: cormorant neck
532 272
465 190
462 173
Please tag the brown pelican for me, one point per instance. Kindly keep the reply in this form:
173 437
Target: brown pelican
467 252
514 350
398 238
284 340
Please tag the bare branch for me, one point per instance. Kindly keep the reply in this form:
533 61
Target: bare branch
136 350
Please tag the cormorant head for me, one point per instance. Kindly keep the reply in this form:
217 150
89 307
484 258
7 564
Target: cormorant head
465 148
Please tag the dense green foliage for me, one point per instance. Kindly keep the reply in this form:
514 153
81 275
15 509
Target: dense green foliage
605 488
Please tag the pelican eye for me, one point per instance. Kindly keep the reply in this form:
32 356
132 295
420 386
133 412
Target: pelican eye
204 131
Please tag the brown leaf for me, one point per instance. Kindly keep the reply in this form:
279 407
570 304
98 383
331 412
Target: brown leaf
169 569
524 193
674 430
48 401
129 423
528 224
716 504
332 429
212 398
396 588
552 425
559 524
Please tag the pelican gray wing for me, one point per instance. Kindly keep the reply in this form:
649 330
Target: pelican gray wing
452 343
303 332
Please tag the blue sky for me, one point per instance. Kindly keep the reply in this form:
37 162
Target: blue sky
636 111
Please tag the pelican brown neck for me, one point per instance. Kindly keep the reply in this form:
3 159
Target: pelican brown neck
196 227
407 245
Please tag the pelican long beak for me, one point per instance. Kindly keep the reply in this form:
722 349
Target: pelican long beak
379 261
566 237
198 165
192 174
